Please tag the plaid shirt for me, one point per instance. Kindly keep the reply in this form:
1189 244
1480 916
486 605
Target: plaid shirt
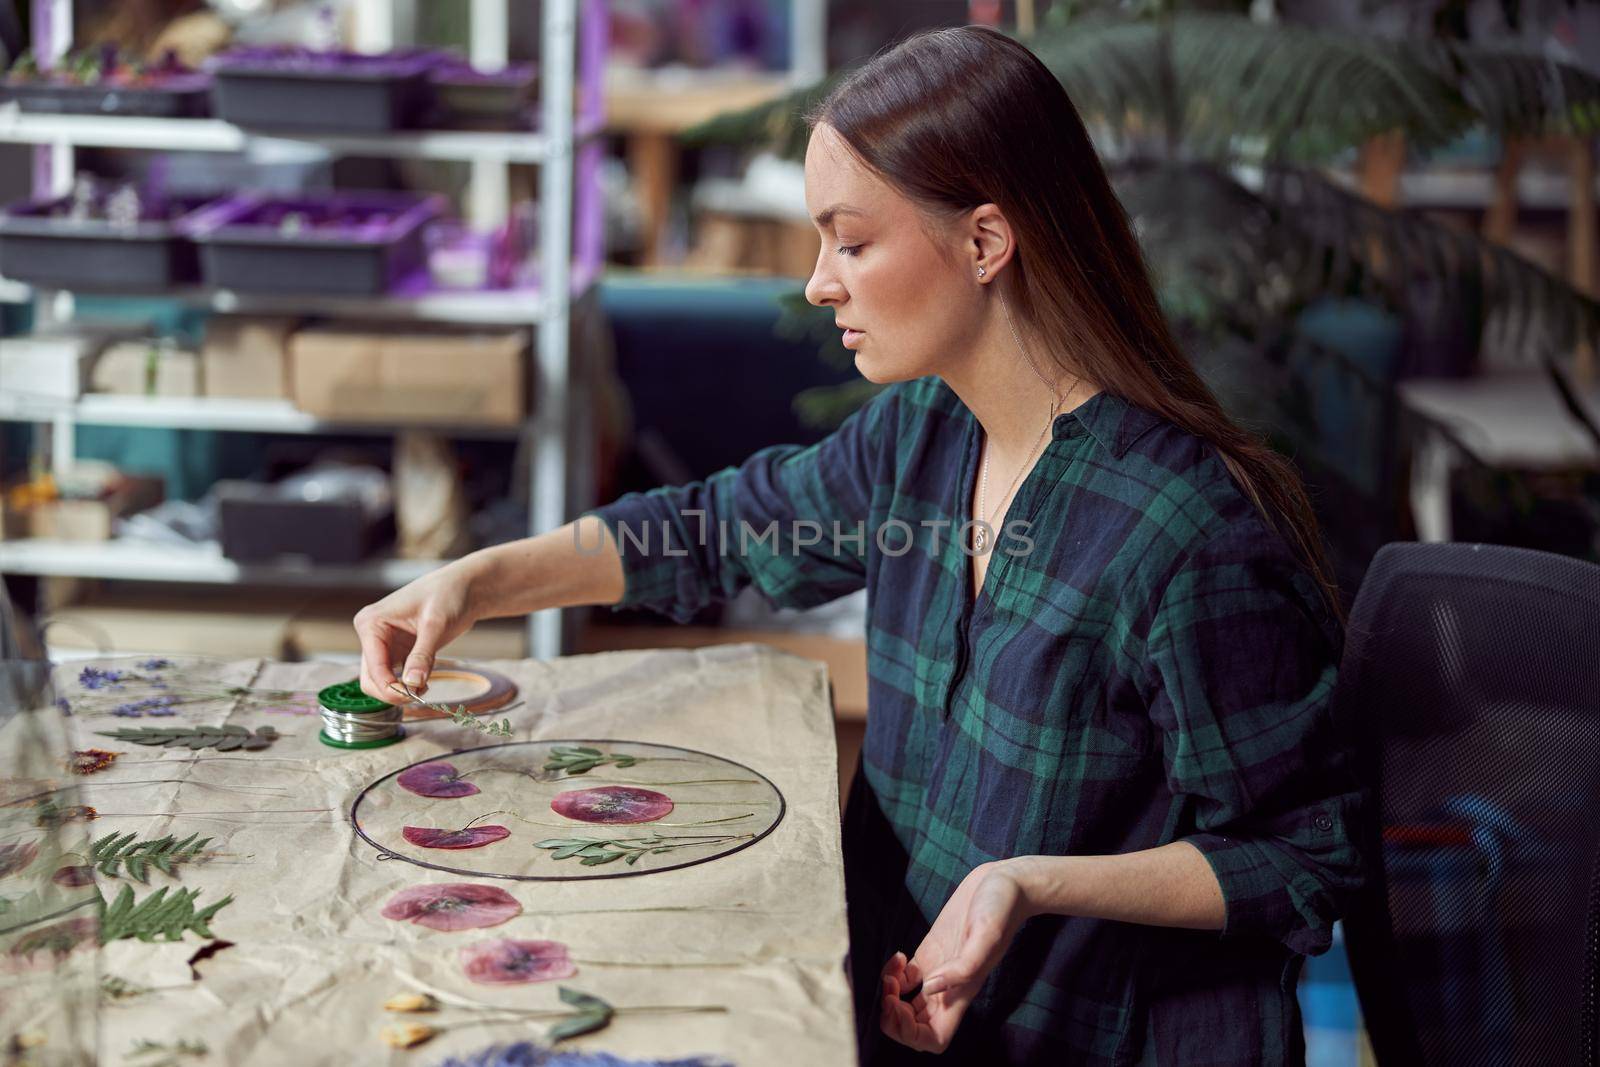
1146 663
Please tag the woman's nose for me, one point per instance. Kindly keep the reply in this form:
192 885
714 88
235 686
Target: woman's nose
822 289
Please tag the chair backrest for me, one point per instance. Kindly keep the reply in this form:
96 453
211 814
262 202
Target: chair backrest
1471 676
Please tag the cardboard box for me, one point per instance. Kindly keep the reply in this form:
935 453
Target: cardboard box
411 375
83 519
247 356
147 368
55 364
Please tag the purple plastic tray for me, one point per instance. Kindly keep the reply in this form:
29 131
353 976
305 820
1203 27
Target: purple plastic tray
375 240
40 246
291 61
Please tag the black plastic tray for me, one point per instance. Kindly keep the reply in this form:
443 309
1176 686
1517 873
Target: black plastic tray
257 527
191 99
94 254
386 97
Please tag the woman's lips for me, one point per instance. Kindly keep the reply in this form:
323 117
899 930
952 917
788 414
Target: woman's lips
851 337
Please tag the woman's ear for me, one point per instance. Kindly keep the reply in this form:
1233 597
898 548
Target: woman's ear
989 241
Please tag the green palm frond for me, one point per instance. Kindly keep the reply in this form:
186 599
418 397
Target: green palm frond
777 124
1544 317
1206 81
1301 237
1520 93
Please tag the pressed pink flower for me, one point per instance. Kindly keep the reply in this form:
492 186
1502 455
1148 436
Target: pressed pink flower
456 906
73 877
14 858
506 961
612 804
468 837
435 780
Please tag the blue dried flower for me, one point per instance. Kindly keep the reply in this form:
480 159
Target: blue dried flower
66 708
95 678
161 705
154 664
528 1054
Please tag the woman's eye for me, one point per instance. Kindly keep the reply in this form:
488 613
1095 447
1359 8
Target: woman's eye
848 250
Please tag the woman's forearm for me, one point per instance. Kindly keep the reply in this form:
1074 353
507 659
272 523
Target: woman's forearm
1172 885
575 564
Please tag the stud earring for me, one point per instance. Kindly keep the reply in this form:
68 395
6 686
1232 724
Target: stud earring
981 272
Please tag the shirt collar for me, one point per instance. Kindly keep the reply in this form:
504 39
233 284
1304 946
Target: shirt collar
1113 422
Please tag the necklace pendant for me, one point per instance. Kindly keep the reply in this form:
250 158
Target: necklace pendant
980 539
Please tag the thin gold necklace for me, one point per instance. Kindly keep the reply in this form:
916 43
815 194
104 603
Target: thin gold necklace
980 533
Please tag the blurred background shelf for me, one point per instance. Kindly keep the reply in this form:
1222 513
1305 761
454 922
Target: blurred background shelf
414 299
215 135
216 413
144 561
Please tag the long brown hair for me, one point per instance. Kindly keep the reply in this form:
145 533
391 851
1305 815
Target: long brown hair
958 117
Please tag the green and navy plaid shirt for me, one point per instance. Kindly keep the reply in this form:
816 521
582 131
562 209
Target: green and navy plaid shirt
1146 663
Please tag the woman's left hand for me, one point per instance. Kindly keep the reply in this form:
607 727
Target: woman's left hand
968 938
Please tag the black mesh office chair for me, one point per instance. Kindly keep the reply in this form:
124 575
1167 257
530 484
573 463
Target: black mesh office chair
1472 675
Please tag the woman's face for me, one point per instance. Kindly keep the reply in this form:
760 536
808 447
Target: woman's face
913 301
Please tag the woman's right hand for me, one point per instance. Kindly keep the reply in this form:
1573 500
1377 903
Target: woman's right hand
412 623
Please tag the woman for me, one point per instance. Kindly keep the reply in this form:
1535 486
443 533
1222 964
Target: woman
1102 810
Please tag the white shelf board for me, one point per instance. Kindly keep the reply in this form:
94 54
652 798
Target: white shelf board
215 413
491 307
143 561
215 135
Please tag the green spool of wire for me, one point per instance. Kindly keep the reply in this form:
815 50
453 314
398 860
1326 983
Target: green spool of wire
352 719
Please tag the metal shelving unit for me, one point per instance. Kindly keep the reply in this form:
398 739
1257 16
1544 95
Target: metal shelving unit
554 434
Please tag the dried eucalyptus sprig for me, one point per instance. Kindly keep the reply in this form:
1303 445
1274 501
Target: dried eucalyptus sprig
144 1049
115 988
157 915
593 851
459 714
222 738
580 759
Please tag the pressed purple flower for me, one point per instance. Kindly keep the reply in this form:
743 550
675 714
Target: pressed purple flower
438 780
507 961
467 837
14 858
73 877
61 703
154 664
455 906
612 804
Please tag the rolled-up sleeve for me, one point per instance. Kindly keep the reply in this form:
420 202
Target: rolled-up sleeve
1244 661
791 520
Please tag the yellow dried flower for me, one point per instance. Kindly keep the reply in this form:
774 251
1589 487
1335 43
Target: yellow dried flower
405 1035
409 1002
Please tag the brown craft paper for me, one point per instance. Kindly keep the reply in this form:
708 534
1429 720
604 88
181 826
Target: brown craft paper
313 960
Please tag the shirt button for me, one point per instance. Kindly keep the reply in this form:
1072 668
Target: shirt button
1324 822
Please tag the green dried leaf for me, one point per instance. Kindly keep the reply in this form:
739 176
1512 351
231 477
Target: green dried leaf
163 915
592 1014
116 855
